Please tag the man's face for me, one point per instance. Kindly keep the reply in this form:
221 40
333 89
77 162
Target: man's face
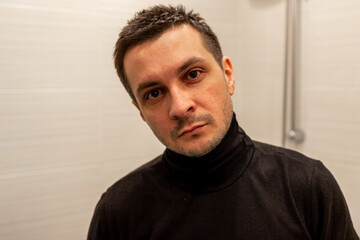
181 91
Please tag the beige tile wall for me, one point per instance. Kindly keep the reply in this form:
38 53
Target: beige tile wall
330 91
67 128
329 88
259 72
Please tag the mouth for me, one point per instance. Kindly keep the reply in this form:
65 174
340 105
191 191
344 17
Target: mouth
192 130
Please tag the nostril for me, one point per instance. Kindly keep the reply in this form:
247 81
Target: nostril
191 108
180 109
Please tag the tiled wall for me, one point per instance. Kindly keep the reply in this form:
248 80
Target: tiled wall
68 130
328 108
330 91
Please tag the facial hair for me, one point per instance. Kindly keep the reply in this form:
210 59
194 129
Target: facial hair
174 133
212 143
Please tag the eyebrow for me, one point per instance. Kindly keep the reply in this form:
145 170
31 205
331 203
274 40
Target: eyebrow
189 62
145 85
184 66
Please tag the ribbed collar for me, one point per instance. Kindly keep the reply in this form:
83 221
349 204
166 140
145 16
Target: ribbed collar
217 169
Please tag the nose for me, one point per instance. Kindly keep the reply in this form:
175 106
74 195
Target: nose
181 104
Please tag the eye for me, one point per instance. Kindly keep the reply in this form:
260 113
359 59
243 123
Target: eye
153 94
193 74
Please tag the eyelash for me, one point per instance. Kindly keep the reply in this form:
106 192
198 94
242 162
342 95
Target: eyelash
187 75
147 95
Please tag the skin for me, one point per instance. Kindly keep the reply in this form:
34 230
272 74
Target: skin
182 93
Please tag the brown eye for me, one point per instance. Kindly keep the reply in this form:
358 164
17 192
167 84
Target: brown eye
193 74
153 94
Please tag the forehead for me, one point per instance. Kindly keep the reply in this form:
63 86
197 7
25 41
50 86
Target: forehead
164 53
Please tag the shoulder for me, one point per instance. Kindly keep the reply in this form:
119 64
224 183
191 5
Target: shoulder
128 190
135 180
280 152
290 168
310 186
303 176
291 162
118 207
294 166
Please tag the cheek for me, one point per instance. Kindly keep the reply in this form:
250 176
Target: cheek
215 95
158 121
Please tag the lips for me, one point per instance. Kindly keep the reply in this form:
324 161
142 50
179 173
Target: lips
192 130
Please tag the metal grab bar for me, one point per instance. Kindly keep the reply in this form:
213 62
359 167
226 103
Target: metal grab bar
294 134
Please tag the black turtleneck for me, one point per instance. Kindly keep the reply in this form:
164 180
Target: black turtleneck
240 190
217 169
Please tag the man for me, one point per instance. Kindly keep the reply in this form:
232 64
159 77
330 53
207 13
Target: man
212 181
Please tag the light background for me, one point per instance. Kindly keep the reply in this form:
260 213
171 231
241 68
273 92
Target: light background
68 129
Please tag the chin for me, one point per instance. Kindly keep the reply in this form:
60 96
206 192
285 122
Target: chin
198 151
195 153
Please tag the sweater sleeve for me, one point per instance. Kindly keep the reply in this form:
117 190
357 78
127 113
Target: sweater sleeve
330 217
98 226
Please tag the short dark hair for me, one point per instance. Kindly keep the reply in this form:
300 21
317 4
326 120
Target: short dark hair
150 23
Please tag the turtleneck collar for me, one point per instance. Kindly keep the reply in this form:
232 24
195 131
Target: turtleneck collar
215 170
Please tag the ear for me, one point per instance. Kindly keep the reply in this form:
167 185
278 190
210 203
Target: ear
137 106
229 74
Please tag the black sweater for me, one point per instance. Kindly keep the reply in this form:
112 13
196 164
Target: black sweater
240 190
